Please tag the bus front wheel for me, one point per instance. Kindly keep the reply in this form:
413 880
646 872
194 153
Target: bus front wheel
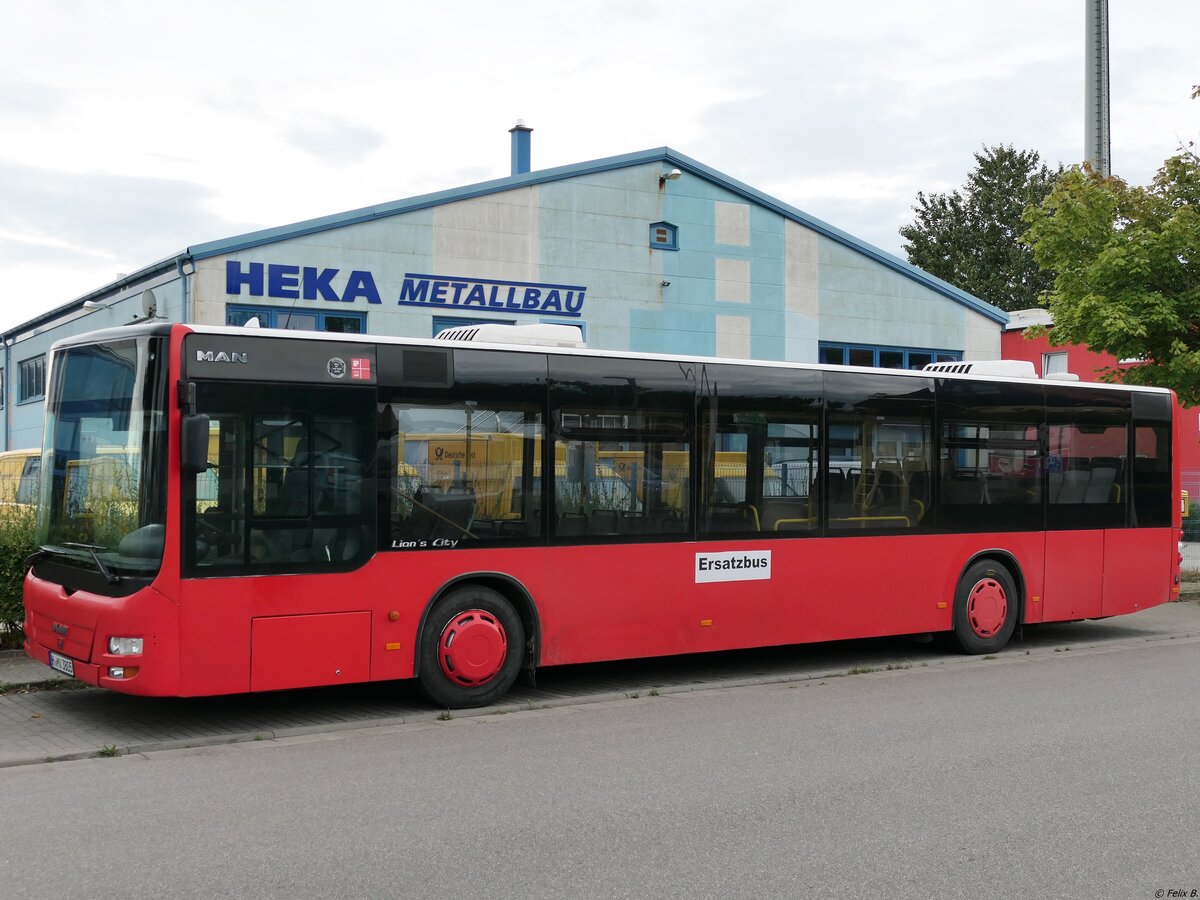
470 649
985 608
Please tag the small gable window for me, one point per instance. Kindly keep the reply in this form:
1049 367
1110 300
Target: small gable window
664 236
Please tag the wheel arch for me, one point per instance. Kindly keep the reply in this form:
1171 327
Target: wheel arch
1006 559
507 587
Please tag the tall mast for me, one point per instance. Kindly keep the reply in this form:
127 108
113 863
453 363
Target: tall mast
1097 144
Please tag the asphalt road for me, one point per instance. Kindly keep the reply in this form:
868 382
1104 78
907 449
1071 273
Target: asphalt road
1059 774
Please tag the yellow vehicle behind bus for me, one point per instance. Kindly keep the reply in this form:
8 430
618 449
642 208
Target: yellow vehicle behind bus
20 472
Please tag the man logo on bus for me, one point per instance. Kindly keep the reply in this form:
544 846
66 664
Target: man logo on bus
221 356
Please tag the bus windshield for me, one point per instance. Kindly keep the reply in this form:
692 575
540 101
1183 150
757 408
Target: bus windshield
103 492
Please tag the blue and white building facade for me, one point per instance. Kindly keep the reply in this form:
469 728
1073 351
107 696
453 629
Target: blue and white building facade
649 251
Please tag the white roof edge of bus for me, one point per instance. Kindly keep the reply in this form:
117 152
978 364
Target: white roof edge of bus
623 354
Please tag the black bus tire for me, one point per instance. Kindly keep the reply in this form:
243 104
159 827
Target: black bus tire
985 608
471 648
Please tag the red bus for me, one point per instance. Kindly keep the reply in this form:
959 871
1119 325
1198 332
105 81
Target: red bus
226 511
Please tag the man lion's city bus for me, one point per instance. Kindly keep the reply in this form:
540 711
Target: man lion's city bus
228 510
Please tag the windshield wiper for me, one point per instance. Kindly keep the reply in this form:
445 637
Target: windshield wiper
110 577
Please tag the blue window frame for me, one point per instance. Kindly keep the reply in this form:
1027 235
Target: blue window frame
32 385
556 321
883 357
302 319
664 236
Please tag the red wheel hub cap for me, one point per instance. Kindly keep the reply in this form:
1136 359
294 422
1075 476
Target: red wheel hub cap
987 607
472 648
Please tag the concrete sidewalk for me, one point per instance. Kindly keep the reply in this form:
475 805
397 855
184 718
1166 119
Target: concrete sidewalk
17 670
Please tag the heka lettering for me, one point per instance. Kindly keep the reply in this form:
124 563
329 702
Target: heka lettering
299 283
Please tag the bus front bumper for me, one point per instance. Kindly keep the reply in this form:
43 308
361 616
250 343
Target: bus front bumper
88 673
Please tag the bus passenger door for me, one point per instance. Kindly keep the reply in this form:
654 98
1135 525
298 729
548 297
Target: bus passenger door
1139 560
1086 438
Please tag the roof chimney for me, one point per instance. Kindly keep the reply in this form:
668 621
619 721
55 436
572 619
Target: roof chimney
520 147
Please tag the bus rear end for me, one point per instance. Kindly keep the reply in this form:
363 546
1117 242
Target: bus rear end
91 608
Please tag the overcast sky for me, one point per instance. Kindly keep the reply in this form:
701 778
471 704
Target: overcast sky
134 129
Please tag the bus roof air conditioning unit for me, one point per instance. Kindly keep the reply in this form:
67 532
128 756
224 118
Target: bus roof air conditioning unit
997 368
530 335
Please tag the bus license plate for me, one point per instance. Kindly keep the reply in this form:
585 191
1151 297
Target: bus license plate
62 664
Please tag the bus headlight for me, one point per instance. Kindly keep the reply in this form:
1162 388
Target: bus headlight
124 646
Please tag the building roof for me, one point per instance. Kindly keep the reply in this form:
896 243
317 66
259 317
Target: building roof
664 155
1025 318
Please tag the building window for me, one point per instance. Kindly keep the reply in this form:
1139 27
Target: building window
33 379
582 325
882 357
1054 364
664 236
340 322
3 393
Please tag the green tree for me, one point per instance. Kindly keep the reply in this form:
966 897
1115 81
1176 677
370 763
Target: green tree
969 237
1128 264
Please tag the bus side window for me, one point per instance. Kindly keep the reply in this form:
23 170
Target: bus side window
1087 469
1151 476
886 485
313 498
219 511
285 485
462 473
881 443
1087 458
621 473
761 476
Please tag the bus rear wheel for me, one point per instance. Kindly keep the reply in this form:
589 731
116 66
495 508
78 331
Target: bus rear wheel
470 649
985 608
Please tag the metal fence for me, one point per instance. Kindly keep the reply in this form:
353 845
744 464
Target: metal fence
1190 482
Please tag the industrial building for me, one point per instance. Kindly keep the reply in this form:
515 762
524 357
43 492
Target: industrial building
649 251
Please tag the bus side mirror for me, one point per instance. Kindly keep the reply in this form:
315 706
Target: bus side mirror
195 444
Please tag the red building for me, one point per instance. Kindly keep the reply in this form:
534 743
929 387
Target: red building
1086 363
